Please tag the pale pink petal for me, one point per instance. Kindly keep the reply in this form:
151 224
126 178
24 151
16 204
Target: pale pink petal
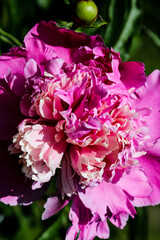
53 205
71 233
31 68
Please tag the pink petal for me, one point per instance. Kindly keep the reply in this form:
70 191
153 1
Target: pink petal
31 68
87 225
136 183
71 233
53 205
149 97
61 44
151 166
13 63
68 178
132 74
39 51
54 66
108 196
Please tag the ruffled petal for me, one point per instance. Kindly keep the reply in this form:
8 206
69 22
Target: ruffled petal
87 225
108 199
117 201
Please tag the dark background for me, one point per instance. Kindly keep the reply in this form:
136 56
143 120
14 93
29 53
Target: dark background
133 29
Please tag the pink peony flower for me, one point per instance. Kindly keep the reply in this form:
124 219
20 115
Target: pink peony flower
70 106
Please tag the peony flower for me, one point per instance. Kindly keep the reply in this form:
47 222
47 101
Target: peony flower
70 106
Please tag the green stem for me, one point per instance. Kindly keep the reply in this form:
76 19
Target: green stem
6 40
11 39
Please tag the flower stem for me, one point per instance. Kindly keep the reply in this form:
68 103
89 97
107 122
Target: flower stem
9 38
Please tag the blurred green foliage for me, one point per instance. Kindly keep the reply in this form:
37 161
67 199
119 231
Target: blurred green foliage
133 30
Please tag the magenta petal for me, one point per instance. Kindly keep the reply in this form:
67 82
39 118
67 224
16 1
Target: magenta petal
151 166
38 50
62 44
87 225
53 205
113 198
12 70
102 229
14 187
54 66
15 83
95 227
71 233
13 63
149 97
25 104
31 68
46 31
136 183
132 74
67 176
154 148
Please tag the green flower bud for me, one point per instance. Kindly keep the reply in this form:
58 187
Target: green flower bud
86 11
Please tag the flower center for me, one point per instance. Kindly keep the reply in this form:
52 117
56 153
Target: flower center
85 118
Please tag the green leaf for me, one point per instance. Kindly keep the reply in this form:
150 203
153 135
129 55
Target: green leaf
6 40
58 228
53 231
124 23
98 23
116 12
129 26
64 24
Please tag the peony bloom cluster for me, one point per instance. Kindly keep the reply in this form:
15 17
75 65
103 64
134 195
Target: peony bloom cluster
70 107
